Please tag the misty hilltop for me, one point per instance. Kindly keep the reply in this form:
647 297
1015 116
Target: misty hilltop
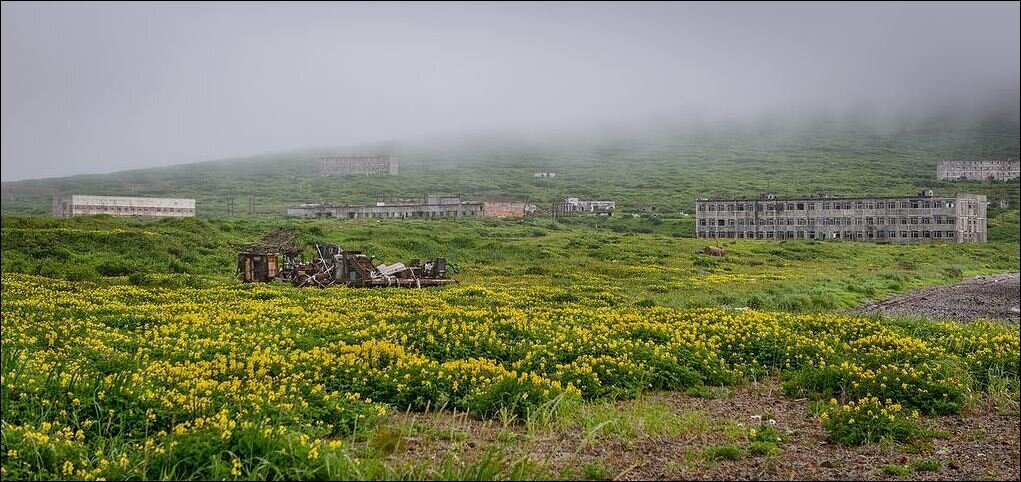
665 166
103 87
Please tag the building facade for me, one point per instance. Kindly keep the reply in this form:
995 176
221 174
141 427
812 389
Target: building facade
574 205
358 165
922 218
427 207
500 209
981 170
78 205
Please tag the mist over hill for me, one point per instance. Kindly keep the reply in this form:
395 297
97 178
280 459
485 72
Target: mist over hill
665 165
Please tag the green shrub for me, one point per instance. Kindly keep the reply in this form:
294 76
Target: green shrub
869 420
926 465
118 267
897 470
723 452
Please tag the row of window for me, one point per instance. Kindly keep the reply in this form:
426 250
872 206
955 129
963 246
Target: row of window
131 210
841 221
823 205
881 234
411 214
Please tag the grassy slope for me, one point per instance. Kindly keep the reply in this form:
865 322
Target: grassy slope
651 259
659 267
668 168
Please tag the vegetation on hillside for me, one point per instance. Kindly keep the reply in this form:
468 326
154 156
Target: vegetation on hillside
667 167
647 263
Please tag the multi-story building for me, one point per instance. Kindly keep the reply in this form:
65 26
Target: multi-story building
426 207
980 170
355 165
921 218
77 205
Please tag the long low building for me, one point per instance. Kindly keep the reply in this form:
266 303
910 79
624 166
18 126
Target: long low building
358 165
979 170
78 205
427 207
921 218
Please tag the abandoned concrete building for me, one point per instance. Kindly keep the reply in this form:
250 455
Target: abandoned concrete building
358 165
921 218
78 205
507 209
426 207
573 205
545 174
979 170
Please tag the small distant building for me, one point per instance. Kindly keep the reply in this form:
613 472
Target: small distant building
572 206
426 207
78 205
1003 203
501 209
358 165
545 174
907 219
979 170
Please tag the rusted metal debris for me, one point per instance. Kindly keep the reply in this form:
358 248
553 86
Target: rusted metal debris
331 265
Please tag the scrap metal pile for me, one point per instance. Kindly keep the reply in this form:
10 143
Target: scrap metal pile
258 262
333 265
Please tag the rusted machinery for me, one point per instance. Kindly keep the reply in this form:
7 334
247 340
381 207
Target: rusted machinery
333 265
330 265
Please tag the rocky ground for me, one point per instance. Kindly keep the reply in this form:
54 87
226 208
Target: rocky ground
993 297
667 436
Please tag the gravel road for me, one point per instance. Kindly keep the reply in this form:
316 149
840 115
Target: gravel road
993 297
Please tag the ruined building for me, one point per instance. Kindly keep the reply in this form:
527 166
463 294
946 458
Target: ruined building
574 205
507 209
921 218
425 207
77 204
358 165
981 170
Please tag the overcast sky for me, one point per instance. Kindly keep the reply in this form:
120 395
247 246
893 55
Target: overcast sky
105 87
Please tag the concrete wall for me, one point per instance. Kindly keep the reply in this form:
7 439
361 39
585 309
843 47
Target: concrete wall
358 165
463 209
506 209
907 219
998 170
77 205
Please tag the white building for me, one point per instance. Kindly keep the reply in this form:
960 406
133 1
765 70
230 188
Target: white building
572 204
78 205
979 170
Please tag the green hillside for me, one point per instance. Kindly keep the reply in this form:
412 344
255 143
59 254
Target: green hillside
667 167
639 261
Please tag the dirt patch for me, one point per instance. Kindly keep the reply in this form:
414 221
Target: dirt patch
981 444
992 297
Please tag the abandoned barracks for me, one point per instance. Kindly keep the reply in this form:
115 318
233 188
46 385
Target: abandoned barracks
921 218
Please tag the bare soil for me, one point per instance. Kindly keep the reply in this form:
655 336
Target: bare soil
992 297
981 444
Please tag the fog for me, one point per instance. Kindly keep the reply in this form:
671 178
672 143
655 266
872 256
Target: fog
105 87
